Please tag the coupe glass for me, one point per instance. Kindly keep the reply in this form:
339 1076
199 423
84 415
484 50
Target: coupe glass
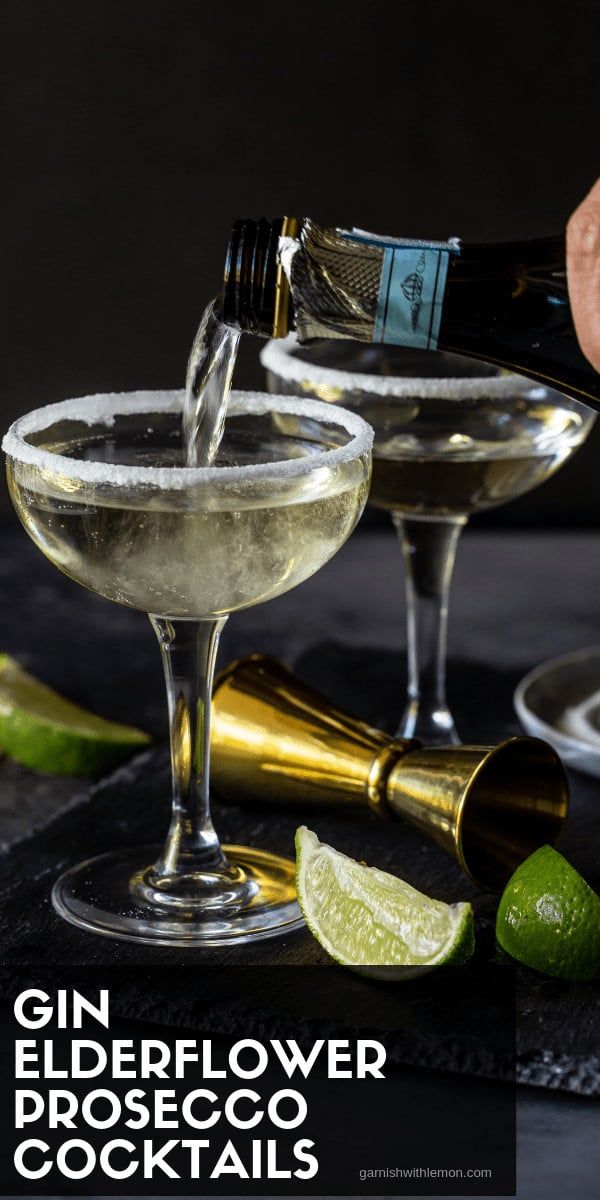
452 437
99 486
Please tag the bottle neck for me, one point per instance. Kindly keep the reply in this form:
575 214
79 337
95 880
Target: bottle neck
504 303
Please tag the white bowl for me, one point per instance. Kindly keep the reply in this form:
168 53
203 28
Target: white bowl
542 697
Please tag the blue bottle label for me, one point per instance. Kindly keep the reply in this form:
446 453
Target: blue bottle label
411 290
411 294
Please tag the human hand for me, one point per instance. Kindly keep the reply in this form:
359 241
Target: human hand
583 273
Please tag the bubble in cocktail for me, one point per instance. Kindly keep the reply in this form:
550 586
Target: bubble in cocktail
101 487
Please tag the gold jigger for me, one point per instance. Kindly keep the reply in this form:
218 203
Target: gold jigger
275 739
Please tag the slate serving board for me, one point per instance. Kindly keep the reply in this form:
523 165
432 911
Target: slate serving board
557 1023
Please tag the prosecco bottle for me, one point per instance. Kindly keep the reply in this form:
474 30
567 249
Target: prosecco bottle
506 303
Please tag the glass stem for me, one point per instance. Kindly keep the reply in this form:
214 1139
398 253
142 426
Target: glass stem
189 650
429 547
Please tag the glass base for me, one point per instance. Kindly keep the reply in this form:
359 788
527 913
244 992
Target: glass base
116 895
432 727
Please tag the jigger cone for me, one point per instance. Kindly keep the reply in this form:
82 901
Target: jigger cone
276 740
490 807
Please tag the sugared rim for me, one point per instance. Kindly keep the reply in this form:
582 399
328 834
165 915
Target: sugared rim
103 408
278 357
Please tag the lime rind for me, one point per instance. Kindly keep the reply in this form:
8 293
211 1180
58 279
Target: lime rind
549 918
372 921
44 731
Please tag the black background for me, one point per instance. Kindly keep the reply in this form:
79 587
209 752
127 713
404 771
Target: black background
136 131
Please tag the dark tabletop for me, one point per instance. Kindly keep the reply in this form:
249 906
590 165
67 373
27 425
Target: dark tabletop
517 599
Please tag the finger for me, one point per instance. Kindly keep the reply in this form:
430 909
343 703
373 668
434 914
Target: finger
583 273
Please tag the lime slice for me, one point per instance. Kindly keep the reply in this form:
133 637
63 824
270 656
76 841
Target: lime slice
367 919
549 918
42 730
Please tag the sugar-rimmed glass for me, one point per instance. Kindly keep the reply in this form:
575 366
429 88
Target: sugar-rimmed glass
453 436
98 485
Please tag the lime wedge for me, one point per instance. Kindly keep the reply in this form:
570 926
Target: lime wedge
549 918
41 729
372 921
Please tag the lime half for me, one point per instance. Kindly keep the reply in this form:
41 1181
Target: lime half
367 919
549 918
42 730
